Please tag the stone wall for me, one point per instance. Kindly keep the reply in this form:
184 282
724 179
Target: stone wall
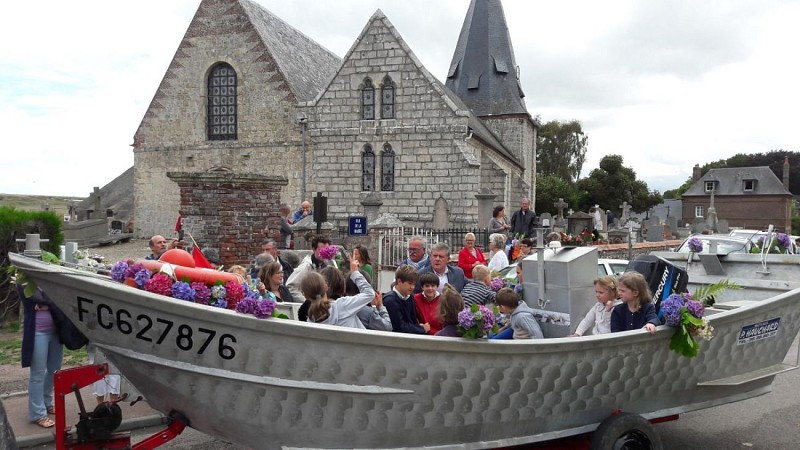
172 135
233 213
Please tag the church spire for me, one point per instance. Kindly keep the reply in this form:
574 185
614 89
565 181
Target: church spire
483 72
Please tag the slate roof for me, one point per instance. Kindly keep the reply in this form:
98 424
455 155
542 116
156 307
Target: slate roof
729 181
483 71
306 65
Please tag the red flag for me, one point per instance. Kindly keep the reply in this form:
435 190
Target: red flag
178 224
200 259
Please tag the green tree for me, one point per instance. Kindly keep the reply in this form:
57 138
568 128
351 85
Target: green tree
612 183
561 149
549 189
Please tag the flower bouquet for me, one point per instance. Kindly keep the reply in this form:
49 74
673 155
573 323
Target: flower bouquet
685 313
240 297
779 244
695 245
477 321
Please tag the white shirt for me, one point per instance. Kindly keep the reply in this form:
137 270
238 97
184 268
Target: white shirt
499 261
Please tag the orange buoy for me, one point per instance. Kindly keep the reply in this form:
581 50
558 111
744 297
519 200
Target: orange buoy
179 257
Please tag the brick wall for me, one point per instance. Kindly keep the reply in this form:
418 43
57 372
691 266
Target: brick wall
232 213
747 211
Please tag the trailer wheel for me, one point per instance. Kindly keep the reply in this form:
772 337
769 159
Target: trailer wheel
625 431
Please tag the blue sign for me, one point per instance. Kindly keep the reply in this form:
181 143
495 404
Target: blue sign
358 226
757 331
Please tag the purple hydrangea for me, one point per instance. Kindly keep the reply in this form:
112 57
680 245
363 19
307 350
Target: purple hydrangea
328 252
118 271
133 269
264 308
496 284
466 319
671 307
183 291
695 245
201 292
142 277
783 240
695 308
487 318
246 305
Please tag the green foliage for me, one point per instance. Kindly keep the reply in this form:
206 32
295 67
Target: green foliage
707 294
15 224
549 188
613 183
682 341
561 150
773 159
677 193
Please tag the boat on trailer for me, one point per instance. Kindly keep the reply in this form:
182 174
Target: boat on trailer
276 384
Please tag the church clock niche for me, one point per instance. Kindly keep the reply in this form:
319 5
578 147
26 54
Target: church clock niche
222 122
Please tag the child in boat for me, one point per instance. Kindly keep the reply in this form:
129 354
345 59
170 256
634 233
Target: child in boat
523 322
400 304
344 311
427 301
373 315
476 291
636 310
450 304
599 316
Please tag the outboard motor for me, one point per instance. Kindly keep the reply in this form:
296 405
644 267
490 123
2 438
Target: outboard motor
663 277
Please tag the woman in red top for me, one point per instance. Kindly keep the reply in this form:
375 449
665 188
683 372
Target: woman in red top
470 256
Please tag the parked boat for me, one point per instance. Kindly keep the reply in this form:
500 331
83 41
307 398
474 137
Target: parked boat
284 384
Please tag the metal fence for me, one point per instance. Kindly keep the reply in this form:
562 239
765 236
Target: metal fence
393 242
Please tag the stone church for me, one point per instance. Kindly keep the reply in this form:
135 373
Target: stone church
253 104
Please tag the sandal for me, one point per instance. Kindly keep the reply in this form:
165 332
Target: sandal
51 410
45 422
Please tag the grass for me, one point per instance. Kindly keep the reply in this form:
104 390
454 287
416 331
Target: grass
57 204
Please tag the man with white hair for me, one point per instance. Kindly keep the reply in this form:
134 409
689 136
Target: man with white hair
417 257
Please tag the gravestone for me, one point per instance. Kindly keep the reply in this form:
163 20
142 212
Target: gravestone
560 206
672 222
723 227
626 213
668 232
546 220
655 233
441 214
579 221
698 226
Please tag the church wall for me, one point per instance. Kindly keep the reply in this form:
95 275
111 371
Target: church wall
519 136
426 135
172 135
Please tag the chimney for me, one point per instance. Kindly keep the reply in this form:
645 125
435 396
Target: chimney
786 172
696 174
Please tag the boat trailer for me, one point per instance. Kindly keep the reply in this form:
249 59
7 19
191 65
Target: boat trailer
95 430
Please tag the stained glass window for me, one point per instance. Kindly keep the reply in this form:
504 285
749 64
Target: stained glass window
368 169
387 168
222 104
387 98
367 100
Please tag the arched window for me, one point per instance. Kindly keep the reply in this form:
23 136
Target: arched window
387 168
368 169
387 98
222 103
367 100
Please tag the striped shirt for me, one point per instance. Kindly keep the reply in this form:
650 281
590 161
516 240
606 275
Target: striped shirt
477 293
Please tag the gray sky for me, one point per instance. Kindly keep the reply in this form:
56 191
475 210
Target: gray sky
664 84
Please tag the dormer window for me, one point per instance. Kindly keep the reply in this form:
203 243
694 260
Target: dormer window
709 186
749 185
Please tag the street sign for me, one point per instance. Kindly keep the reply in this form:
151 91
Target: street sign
358 226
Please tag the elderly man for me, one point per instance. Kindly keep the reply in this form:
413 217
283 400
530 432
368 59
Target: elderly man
417 258
159 245
270 247
523 221
304 211
440 256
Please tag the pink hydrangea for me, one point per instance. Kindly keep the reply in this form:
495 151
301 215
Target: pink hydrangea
235 292
159 284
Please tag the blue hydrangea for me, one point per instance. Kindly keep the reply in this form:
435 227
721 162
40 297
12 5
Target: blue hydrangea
671 307
695 245
183 291
246 305
783 240
264 308
118 271
221 303
142 277
218 292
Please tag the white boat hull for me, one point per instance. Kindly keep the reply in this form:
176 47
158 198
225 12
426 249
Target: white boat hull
285 384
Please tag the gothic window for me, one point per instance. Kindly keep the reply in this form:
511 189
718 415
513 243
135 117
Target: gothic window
387 168
222 103
367 100
368 169
387 98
